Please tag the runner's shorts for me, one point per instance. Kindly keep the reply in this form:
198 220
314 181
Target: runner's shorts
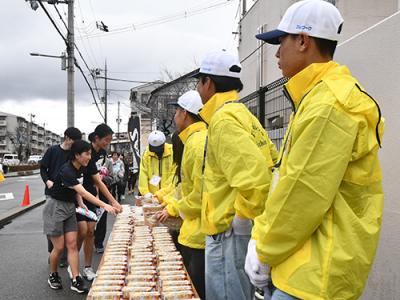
59 217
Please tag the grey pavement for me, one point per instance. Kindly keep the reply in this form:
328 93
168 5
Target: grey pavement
23 264
16 186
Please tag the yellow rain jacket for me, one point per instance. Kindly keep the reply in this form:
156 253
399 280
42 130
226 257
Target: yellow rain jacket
238 163
169 194
189 206
150 165
320 228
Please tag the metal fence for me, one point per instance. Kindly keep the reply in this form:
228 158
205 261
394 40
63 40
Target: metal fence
268 104
271 108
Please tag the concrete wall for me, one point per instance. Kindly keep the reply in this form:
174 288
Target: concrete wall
358 15
373 58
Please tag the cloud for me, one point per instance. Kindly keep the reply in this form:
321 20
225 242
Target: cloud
38 85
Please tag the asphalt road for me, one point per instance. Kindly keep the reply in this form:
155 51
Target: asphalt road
16 186
23 263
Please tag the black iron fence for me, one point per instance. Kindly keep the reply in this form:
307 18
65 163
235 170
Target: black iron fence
272 108
268 104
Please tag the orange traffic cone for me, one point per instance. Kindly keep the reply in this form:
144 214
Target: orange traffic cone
26 200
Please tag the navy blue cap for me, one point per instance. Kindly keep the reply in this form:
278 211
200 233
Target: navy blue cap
271 37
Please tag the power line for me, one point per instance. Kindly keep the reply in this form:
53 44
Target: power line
163 20
61 18
83 59
124 80
90 87
255 50
86 32
66 42
113 90
52 22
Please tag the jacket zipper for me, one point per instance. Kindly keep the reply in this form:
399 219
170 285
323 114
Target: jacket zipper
287 95
379 115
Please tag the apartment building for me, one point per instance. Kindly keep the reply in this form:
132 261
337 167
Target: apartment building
17 135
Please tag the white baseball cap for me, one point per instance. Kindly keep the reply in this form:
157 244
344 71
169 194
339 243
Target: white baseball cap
221 63
190 101
317 18
156 138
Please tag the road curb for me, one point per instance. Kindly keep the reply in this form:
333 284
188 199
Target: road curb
22 173
15 212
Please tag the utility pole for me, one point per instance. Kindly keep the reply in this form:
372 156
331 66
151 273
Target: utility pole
118 122
105 92
70 53
71 66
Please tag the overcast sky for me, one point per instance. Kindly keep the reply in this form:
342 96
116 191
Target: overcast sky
38 85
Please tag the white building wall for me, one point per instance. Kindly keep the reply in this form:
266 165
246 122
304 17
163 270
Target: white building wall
358 15
373 58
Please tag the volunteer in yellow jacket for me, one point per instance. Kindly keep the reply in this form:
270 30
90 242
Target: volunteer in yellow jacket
237 176
192 132
320 228
156 165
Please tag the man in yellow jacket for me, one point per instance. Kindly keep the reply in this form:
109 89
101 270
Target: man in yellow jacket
192 132
237 176
320 227
156 165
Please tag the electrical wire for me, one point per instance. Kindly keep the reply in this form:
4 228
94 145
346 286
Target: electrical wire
162 20
98 40
83 59
124 80
90 87
75 61
52 22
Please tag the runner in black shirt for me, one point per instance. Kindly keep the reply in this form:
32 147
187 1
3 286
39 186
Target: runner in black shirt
100 139
59 213
50 165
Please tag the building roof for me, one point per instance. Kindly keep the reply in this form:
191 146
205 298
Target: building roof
168 84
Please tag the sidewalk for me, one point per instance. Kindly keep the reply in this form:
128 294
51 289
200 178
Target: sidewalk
22 173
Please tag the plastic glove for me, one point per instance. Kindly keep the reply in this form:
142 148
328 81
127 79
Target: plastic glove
257 271
241 226
148 196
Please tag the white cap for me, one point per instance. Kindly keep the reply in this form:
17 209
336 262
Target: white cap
190 101
156 138
317 18
220 64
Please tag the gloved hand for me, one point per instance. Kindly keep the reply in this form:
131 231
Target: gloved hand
148 196
241 226
257 271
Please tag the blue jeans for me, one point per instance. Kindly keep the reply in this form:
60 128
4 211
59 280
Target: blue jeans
225 275
280 295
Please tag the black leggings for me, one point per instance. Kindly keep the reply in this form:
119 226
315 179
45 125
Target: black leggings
194 261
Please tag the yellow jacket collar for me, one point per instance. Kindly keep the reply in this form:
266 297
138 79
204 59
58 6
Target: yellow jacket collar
167 150
215 103
306 79
195 127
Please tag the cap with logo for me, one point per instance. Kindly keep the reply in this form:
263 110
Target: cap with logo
220 63
156 138
317 18
189 101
